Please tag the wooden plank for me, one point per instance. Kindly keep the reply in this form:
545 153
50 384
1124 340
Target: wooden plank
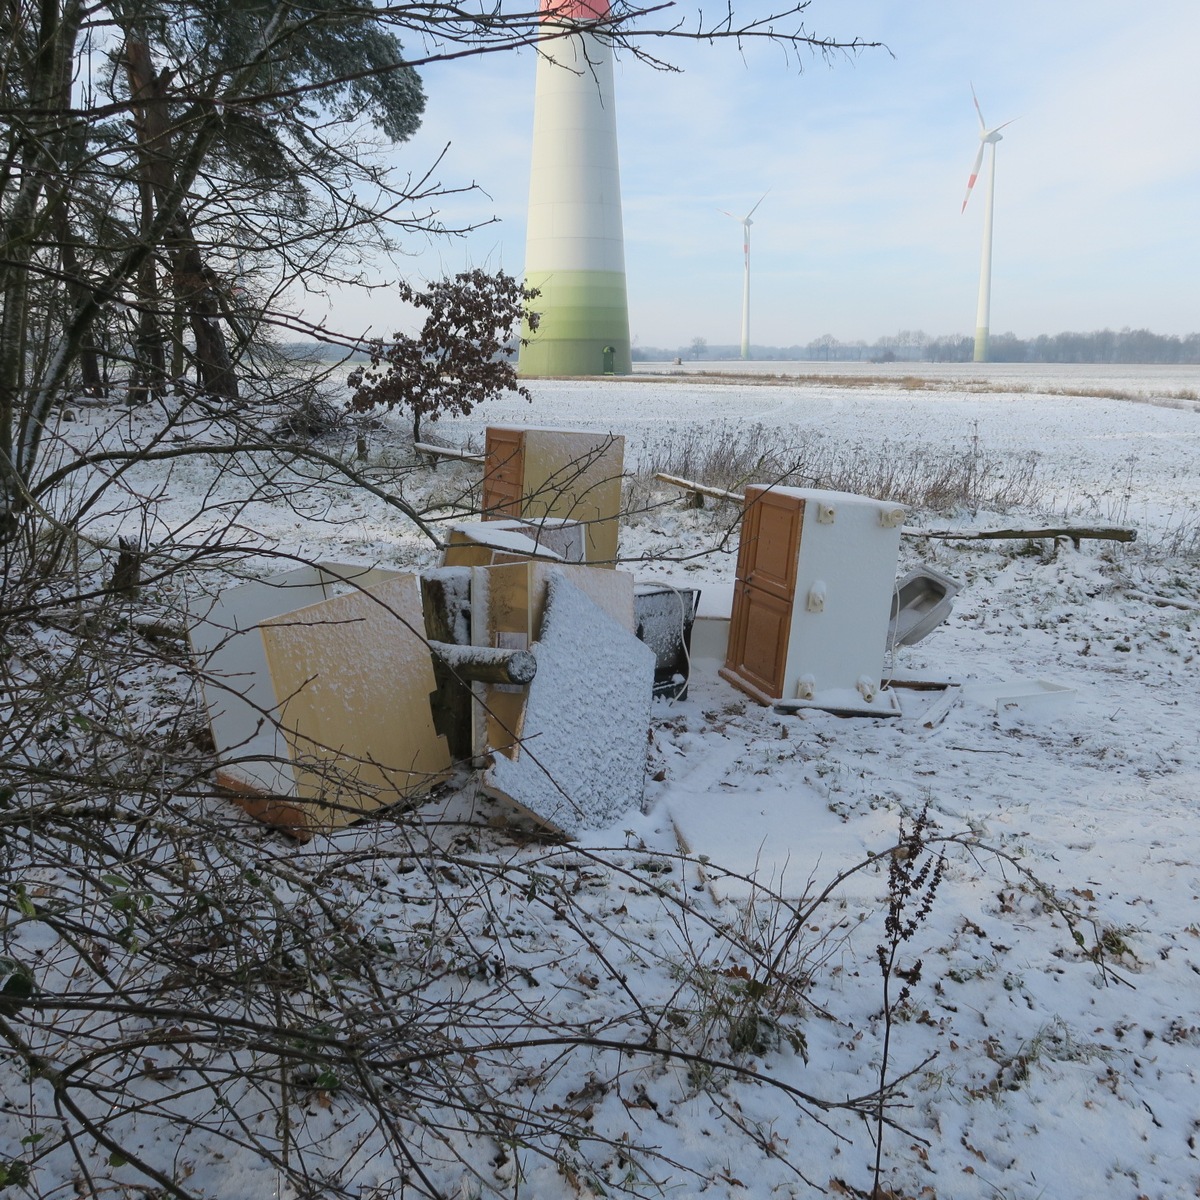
486 664
447 452
688 485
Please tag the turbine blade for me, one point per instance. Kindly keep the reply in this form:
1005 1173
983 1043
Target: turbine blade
982 122
760 200
974 176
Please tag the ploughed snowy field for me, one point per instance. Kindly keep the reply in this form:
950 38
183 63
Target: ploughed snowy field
1049 1042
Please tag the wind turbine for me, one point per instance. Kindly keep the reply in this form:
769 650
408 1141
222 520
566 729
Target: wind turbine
746 223
575 243
987 137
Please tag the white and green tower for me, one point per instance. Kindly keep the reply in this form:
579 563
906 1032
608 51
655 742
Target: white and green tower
574 249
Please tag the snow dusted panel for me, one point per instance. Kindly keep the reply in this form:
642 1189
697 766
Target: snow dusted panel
577 474
581 762
508 603
352 677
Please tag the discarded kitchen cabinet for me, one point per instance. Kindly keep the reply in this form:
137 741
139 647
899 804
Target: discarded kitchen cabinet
815 576
319 701
570 473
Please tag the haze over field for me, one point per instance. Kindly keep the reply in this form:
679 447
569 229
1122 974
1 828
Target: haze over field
866 159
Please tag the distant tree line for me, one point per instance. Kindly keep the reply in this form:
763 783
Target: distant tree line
1100 346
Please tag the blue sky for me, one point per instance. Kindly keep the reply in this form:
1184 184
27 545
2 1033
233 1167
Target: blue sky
866 159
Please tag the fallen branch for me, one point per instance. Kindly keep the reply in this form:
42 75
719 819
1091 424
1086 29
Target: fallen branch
1108 533
1105 533
1165 601
98 621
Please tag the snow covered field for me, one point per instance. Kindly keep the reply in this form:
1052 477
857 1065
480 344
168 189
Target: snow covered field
1049 1044
1053 1076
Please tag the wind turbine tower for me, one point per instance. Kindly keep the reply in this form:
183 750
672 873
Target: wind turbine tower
746 223
987 138
574 249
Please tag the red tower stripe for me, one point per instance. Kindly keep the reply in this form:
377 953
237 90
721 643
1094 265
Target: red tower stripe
574 10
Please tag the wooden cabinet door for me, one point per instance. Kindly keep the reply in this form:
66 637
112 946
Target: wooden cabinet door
761 621
768 555
503 473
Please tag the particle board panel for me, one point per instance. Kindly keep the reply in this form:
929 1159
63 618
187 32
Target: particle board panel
237 687
480 543
352 676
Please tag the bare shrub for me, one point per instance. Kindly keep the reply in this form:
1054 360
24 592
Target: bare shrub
729 456
1180 540
183 987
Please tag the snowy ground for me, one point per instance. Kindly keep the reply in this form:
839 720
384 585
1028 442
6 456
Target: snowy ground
1053 1029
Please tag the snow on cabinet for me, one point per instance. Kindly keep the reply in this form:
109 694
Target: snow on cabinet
816 573
569 473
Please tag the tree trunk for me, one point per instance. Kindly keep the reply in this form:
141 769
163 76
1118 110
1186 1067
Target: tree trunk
89 356
149 377
191 280
39 147
1105 533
